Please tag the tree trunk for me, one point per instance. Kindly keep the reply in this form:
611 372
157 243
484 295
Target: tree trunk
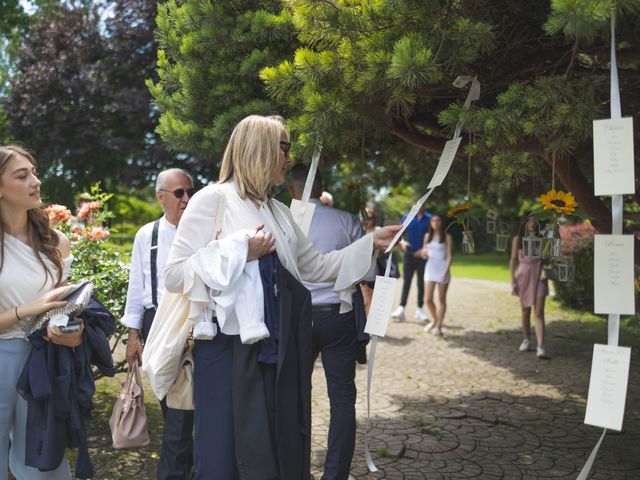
574 180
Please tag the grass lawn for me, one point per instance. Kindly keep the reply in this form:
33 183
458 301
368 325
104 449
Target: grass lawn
485 266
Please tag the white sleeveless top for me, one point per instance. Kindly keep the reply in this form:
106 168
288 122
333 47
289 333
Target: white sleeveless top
23 279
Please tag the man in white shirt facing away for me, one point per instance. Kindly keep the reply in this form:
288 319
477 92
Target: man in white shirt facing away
174 188
335 335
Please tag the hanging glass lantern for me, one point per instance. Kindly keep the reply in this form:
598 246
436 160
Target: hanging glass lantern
566 269
551 242
468 244
491 221
502 238
531 246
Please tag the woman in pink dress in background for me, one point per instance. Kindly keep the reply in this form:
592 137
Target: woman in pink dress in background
528 284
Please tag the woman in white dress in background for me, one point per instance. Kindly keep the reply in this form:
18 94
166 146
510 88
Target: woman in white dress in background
437 251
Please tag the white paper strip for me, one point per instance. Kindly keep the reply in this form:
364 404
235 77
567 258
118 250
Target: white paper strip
311 176
584 473
410 216
302 214
444 164
371 361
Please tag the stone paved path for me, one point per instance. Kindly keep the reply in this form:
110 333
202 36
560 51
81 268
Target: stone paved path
469 405
465 405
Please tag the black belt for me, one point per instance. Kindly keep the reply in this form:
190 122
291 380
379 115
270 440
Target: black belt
326 307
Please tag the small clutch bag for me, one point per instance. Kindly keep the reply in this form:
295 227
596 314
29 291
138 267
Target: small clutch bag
77 298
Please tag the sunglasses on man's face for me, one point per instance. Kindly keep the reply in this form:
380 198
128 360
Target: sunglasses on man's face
179 192
285 146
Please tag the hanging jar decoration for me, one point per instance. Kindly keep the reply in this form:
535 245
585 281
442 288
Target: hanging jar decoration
502 237
565 269
468 244
491 221
551 242
532 242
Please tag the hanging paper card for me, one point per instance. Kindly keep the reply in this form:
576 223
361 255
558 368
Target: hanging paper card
444 164
302 214
381 303
608 386
410 216
613 274
613 167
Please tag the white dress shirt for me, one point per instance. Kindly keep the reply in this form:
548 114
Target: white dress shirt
195 249
331 229
139 291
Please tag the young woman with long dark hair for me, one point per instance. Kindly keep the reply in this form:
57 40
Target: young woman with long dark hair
34 260
437 251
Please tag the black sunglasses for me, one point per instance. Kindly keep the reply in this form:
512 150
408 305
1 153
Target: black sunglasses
179 192
285 146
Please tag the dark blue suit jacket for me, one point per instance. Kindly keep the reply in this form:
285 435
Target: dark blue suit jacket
57 382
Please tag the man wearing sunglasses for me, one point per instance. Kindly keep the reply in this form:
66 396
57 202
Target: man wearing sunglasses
174 188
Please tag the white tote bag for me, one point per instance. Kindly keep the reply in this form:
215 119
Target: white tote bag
162 354
165 344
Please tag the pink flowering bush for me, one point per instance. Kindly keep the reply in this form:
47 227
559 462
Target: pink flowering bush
577 242
94 258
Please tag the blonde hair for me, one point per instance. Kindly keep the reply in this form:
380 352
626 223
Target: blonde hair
251 156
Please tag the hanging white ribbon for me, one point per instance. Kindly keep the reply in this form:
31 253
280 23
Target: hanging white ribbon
371 362
613 326
437 179
472 96
302 210
311 176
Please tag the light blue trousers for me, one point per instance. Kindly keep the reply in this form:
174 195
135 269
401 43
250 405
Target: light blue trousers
13 418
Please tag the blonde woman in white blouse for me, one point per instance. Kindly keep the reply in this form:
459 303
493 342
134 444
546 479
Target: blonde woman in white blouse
252 225
34 259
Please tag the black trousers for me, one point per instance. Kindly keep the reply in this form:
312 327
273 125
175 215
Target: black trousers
176 455
335 337
410 266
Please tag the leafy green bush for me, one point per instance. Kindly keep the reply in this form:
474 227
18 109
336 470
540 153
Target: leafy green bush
577 242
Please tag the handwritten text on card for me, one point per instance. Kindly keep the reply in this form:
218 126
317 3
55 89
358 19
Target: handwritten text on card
608 386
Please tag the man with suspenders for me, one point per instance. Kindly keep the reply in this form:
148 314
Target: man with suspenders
174 188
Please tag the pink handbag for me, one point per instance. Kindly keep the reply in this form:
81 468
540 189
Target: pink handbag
128 420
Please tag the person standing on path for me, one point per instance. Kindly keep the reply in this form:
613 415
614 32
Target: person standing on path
412 262
34 259
334 334
437 252
174 188
527 284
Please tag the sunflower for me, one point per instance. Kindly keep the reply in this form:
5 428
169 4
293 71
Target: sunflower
561 202
459 208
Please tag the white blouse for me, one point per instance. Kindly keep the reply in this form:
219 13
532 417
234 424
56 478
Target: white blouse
197 262
23 279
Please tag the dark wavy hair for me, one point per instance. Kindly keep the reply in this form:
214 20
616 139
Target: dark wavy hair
443 233
44 240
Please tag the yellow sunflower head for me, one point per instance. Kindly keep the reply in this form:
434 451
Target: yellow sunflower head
459 208
560 202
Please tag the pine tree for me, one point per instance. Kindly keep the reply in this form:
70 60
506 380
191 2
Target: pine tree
210 54
385 69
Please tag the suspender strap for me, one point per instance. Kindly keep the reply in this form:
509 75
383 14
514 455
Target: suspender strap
154 263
